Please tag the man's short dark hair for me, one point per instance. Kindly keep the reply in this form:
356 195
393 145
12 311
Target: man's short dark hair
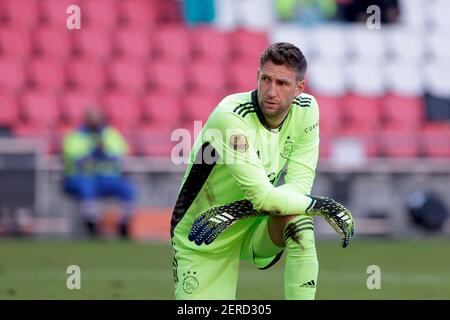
283 53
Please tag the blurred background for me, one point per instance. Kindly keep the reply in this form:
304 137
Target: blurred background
381 78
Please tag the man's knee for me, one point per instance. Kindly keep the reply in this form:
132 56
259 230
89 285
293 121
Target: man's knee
116 186
277 226
300 231
88 188
80 186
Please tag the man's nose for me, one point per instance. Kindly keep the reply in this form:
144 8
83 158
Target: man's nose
272 90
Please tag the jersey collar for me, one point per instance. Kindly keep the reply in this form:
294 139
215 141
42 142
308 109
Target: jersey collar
255 103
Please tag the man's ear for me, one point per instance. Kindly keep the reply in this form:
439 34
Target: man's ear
300 87
257 75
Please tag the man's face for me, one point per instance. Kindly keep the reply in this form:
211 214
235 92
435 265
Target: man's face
93 119
277 88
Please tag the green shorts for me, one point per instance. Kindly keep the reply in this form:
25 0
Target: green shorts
214 276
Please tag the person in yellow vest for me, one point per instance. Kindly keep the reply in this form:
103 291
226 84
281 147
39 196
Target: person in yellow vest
93 168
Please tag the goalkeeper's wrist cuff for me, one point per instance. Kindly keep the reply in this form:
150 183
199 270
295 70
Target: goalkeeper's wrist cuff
310 206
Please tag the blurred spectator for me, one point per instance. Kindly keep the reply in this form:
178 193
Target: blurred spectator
306 12
356 10
93 160
427 210
198 11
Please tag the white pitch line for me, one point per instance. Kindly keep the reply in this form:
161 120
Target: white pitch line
390 277
326 275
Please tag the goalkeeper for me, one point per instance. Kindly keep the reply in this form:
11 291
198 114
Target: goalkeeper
230 207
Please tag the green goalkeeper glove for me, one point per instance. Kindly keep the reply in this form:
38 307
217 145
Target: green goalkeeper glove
338 216
207 226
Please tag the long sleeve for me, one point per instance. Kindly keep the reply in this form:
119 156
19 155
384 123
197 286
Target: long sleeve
234 141
302 163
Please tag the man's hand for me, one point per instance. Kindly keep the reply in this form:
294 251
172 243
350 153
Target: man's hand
211 223
214 221
338 216
85 165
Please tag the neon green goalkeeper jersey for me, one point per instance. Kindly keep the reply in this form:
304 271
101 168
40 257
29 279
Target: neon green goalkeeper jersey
236 156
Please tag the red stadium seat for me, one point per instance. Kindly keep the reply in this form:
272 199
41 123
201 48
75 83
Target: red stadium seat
133 43
168 12
20 14
14 42
402 111
56 137
240 76
248 44
165 75
197 105
129 134
86 74
208 43
62 129
396 142
127 74
161 109
435 140
137 13
361 111
54 43
121 109
54 12
39 108
43 133
26 130
173 42
100 14
45 74
12 76
74 104
154 141
330 113
326 140
206 75
9 110
93 43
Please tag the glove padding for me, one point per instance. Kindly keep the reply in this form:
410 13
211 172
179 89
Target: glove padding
211 223
338 216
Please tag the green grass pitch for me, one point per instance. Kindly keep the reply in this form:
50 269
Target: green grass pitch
418 269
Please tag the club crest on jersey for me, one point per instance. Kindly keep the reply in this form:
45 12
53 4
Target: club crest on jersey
238 142
190 282
287 147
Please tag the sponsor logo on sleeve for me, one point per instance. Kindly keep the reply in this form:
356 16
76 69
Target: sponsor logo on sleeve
311 128
239 142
